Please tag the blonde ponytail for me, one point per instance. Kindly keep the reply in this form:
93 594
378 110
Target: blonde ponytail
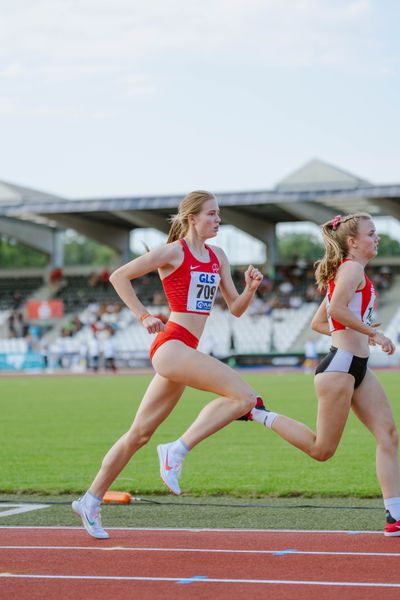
190 205
335 234
177 230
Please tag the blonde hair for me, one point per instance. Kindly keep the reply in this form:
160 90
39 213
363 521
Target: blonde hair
335 234
190 205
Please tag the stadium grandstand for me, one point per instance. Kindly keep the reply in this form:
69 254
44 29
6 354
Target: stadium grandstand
71 318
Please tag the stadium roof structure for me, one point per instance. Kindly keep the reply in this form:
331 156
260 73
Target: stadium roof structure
315 192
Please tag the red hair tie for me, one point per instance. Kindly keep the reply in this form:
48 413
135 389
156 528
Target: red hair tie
336 221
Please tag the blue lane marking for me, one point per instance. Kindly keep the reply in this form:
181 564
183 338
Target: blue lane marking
353 532
192 579
283 552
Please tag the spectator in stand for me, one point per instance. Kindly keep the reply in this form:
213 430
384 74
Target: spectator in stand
44 351
98 326
104 278
17 300
76 323
93 352
382 278
312 294
266 286
93 307
387 277
28 340
93 279
295 301
83 355
35 333
286 288
258 307
56 275
12 331
20 324
109 350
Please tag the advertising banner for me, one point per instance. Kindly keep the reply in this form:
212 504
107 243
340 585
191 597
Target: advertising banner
44 310
20 361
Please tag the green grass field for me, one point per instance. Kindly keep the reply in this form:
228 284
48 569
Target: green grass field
55 431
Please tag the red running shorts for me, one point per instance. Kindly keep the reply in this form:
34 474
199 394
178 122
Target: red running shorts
173 331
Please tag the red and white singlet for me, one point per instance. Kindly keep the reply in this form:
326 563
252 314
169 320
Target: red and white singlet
192 287
361 304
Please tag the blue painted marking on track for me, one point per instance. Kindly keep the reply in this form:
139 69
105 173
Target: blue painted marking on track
192 579
353 532
283 552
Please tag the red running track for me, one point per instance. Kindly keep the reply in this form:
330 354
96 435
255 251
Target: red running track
62 563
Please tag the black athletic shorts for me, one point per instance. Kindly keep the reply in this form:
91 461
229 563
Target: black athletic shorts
341 361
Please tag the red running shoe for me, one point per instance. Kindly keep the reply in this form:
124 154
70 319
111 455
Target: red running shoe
392 527
259 406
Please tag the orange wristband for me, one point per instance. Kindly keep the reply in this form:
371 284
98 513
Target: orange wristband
143 317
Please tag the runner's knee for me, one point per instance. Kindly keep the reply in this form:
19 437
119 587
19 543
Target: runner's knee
137 437
388 440
246 398
322 453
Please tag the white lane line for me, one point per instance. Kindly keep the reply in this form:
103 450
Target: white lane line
196 529
17 509
203 550
208 580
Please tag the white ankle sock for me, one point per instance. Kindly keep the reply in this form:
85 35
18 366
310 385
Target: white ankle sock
393 506
266 418
270 419
178 449
91 500
259 416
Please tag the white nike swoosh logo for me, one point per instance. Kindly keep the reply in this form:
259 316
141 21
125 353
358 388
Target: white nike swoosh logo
196 267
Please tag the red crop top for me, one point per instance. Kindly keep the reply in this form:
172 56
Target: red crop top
192 287
361 304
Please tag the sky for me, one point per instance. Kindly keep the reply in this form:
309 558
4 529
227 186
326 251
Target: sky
125 97
106 98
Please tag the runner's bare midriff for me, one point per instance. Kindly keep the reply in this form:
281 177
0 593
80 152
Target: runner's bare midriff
192 322
351 341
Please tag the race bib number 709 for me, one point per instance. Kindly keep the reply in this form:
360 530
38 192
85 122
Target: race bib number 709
202 291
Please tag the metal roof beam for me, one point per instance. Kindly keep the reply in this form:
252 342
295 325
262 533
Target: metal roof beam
142 218
307 211
33 235
110 235
257 227
393 207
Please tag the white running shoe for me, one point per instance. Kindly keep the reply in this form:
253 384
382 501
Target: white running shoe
170 473
91 519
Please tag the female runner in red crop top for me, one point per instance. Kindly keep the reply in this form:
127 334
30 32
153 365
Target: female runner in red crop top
343 379
191 273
